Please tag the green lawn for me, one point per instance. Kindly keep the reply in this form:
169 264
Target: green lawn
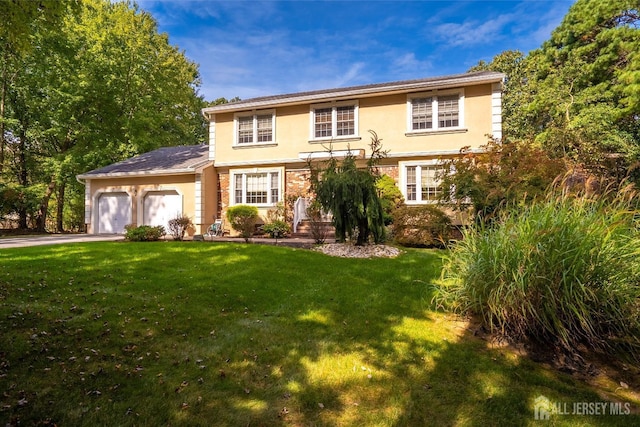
220 334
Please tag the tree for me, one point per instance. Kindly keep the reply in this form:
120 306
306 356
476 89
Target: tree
349 193
585 87
504 174
104 87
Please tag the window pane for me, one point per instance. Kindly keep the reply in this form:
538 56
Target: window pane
322 122
422 113
411 183
265 128
346 124
448 111
256 188
238 189
274 187
245 130
430 183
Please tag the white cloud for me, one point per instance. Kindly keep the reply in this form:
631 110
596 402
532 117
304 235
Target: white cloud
471 32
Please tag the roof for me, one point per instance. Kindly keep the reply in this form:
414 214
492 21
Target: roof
404 86
163 161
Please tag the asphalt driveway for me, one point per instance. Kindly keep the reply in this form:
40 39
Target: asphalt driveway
54 239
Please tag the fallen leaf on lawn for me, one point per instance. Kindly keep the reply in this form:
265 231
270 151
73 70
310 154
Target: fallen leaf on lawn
321 405
624 385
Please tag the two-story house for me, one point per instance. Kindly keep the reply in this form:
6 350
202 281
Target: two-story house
258 149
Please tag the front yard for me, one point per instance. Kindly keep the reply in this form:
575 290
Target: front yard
227 334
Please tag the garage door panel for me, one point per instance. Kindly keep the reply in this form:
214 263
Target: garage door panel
114 212
161 206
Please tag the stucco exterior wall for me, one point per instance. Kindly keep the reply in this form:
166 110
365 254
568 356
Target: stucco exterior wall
386 115
136 188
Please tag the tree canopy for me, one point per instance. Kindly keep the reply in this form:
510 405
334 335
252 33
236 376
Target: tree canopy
99 86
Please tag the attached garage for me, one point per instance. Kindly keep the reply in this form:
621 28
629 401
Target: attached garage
114 212
151 189
161 206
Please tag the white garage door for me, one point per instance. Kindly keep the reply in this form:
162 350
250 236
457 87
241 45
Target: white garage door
114 212
161 206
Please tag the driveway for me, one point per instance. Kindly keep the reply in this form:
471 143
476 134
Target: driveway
54 239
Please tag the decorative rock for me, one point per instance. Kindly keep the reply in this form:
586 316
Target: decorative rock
347 250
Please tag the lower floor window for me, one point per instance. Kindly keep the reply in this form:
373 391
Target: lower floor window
261 188
423 183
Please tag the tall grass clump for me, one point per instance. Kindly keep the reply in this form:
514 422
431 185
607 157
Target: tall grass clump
564 271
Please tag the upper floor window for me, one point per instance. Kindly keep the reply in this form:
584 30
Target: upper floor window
435 112
257 128
334 121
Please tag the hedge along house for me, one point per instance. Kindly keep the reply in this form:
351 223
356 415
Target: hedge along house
151 189
258 148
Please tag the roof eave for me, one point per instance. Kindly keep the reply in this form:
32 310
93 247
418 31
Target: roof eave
160 172
391 89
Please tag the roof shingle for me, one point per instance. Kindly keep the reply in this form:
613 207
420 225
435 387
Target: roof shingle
163 160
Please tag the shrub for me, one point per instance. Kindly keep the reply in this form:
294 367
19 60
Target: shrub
390 197
179 225
421 226
276 225
276 229
317 222
144 233
243 219
564 272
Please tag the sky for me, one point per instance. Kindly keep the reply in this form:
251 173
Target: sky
248 49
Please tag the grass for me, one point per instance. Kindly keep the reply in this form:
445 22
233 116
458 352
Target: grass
219 334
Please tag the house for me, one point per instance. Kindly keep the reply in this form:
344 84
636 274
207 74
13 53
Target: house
258 149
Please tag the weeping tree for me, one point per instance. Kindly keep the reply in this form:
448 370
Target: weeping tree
348 191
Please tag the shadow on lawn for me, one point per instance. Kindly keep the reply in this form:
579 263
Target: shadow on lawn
296 339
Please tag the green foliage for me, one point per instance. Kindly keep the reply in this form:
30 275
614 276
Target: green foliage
349 193
97 85
390 197
179 225
503 174
144 233
563 271
421 226
577 96
243 219
277 229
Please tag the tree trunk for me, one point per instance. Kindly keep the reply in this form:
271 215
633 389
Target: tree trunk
23 178
60 208
3 97
44 205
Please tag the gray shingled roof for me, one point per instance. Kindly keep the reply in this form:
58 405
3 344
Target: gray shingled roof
182 159
428 83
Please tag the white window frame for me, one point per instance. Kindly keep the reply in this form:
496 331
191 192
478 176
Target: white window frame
435 122
403 180
254 115
334 121
255 171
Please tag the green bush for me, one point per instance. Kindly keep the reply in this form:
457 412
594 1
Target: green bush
564 272
421 226
144 233
276 229
178 226
390 197
243 219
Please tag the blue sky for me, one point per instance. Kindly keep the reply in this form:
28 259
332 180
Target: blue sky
259 48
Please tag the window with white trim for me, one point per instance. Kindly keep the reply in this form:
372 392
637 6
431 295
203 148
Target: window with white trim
435 112
422 183
334 121
256 188
257 128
